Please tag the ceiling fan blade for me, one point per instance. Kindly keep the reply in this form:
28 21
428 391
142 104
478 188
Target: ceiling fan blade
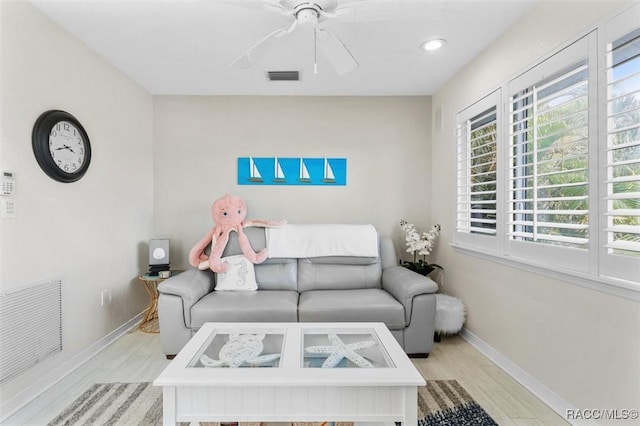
336 52
275 7
255 52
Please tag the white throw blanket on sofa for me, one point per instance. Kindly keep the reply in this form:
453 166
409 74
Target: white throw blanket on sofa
322 240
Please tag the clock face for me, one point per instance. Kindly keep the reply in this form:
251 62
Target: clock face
61 146
66 146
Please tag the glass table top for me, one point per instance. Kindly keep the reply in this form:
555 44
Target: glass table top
320 347
355 348
240 349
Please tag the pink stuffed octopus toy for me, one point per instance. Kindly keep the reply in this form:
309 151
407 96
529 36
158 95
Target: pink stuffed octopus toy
228 214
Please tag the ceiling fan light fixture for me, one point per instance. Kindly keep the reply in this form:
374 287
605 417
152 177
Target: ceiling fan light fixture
435 44
307 16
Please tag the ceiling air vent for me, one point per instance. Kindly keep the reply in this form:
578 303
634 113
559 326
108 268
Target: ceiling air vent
284 75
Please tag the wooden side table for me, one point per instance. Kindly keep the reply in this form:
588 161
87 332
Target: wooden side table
149 323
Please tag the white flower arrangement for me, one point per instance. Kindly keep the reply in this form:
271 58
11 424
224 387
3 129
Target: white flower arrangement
420 245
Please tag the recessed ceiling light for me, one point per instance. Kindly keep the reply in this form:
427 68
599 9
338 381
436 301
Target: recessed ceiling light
433 44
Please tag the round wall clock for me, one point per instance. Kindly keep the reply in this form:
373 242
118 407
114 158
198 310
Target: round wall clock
61 146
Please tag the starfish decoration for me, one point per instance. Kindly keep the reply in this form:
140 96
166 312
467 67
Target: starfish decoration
339 350
241 349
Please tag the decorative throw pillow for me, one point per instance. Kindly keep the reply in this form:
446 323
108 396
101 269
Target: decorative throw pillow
240 275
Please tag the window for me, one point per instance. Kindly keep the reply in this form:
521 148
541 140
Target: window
476 209
548 187
556 184
549 161
621 148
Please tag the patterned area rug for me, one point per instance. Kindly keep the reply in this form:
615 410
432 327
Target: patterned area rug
445 402
441 402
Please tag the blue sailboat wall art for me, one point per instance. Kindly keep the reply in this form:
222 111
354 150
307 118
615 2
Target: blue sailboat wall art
292 171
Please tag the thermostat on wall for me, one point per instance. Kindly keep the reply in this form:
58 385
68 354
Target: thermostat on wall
8 184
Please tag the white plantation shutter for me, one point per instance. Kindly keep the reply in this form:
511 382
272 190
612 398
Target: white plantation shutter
621 146
550 159
477 183
482 183
548 170
555 184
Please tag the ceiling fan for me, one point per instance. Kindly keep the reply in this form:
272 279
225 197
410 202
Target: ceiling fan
304 15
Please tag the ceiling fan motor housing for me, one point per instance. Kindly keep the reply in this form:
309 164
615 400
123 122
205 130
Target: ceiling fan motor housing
307 16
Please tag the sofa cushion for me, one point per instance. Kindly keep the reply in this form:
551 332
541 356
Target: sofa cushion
364 305
277 274
255 306
342 274
256 238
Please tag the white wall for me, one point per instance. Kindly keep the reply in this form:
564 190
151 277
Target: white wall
91 233
197 141
581 344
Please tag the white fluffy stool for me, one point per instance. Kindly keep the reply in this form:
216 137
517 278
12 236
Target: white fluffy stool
449 314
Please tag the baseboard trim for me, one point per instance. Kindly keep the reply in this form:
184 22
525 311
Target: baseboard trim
546 395
10 406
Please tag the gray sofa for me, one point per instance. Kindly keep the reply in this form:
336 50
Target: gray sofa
321 289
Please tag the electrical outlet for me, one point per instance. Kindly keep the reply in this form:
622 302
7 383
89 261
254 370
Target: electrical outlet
105 297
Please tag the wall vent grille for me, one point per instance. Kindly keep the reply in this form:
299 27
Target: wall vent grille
30 326
284 75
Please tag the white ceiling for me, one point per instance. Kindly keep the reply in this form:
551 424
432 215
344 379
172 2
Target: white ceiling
184 47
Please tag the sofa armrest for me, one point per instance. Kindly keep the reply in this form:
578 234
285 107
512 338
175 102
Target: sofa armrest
191 286
404 284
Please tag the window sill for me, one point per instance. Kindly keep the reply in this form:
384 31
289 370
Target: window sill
619 288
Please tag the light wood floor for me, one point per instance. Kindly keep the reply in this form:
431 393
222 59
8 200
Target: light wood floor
137 357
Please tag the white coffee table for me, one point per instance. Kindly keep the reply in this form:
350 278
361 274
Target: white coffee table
293 387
